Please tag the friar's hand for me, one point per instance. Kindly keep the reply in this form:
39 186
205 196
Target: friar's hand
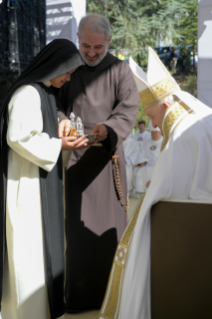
63 128
70 143
101 132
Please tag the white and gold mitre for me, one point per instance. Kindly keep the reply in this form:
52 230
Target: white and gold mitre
156 84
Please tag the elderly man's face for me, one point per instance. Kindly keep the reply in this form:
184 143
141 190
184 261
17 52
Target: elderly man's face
156 113
155 135
93 46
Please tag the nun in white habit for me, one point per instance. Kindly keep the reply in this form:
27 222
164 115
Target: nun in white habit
31 203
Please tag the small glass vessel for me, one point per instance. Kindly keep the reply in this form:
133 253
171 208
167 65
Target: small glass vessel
80 127
73 129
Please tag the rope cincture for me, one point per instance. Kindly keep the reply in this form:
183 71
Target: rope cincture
118 184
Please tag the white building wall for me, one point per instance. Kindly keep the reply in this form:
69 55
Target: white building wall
62 19
204 84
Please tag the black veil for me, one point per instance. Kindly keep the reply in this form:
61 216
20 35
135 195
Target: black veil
57 58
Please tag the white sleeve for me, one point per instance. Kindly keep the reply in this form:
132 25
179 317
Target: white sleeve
25 127
135 154
142 156
128 161
134 137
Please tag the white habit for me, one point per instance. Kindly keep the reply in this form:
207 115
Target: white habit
183 171
24 288
132 158
150 153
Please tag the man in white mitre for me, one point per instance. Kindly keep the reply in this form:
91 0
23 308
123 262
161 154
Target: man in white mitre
132 156
143 135
183 172
149 154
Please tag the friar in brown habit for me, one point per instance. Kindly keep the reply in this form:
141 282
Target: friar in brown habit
103 93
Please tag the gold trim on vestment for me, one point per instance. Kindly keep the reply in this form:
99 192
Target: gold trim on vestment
173 117
111 303
158 92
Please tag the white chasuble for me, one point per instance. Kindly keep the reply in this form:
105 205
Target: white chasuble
24 287
183 171
142 175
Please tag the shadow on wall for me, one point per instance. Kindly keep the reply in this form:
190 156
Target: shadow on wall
60 21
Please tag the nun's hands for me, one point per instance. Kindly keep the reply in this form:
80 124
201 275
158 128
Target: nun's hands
63 128
70 143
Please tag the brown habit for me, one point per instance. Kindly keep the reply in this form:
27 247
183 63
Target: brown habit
95 218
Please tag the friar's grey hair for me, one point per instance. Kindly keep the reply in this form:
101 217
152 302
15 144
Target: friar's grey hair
96 22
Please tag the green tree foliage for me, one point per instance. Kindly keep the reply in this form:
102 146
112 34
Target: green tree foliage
141 115
136 24
187 27
190 85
